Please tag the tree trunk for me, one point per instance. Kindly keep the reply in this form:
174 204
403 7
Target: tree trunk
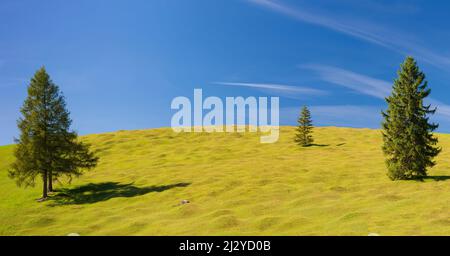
50 182
44 189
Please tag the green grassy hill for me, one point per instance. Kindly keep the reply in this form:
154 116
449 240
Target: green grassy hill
236 186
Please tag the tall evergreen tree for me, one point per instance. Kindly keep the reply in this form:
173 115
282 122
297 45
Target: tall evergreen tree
409 144
304 129
46 146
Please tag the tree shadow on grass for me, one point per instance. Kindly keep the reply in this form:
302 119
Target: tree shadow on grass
97 192
432 178
317 145
437 178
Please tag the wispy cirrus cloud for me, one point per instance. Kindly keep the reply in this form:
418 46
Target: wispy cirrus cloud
361 29
442 108
297 90
366 85
354 81
323 21
337 115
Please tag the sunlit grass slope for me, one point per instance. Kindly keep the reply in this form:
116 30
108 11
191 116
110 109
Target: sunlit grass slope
236 186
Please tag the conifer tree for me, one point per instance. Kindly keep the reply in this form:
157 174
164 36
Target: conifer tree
304 129
46 146
409 144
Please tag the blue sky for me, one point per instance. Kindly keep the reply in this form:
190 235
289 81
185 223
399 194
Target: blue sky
120 63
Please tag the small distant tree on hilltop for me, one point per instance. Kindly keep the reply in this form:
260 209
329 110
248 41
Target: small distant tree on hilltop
304 129
46 146
409 144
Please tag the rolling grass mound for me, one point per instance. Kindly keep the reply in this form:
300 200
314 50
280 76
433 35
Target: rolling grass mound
235 186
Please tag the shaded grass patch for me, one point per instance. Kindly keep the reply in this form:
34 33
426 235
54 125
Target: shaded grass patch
97 192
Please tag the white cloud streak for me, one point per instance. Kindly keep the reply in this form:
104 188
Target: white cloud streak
322 21
442 108
278 87
365 84
382 36
337 115
354 81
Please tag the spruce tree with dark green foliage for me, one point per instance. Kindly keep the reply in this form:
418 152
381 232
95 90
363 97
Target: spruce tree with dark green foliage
409 144
304 129
47 147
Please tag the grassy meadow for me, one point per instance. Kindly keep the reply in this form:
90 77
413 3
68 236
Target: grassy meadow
235 186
